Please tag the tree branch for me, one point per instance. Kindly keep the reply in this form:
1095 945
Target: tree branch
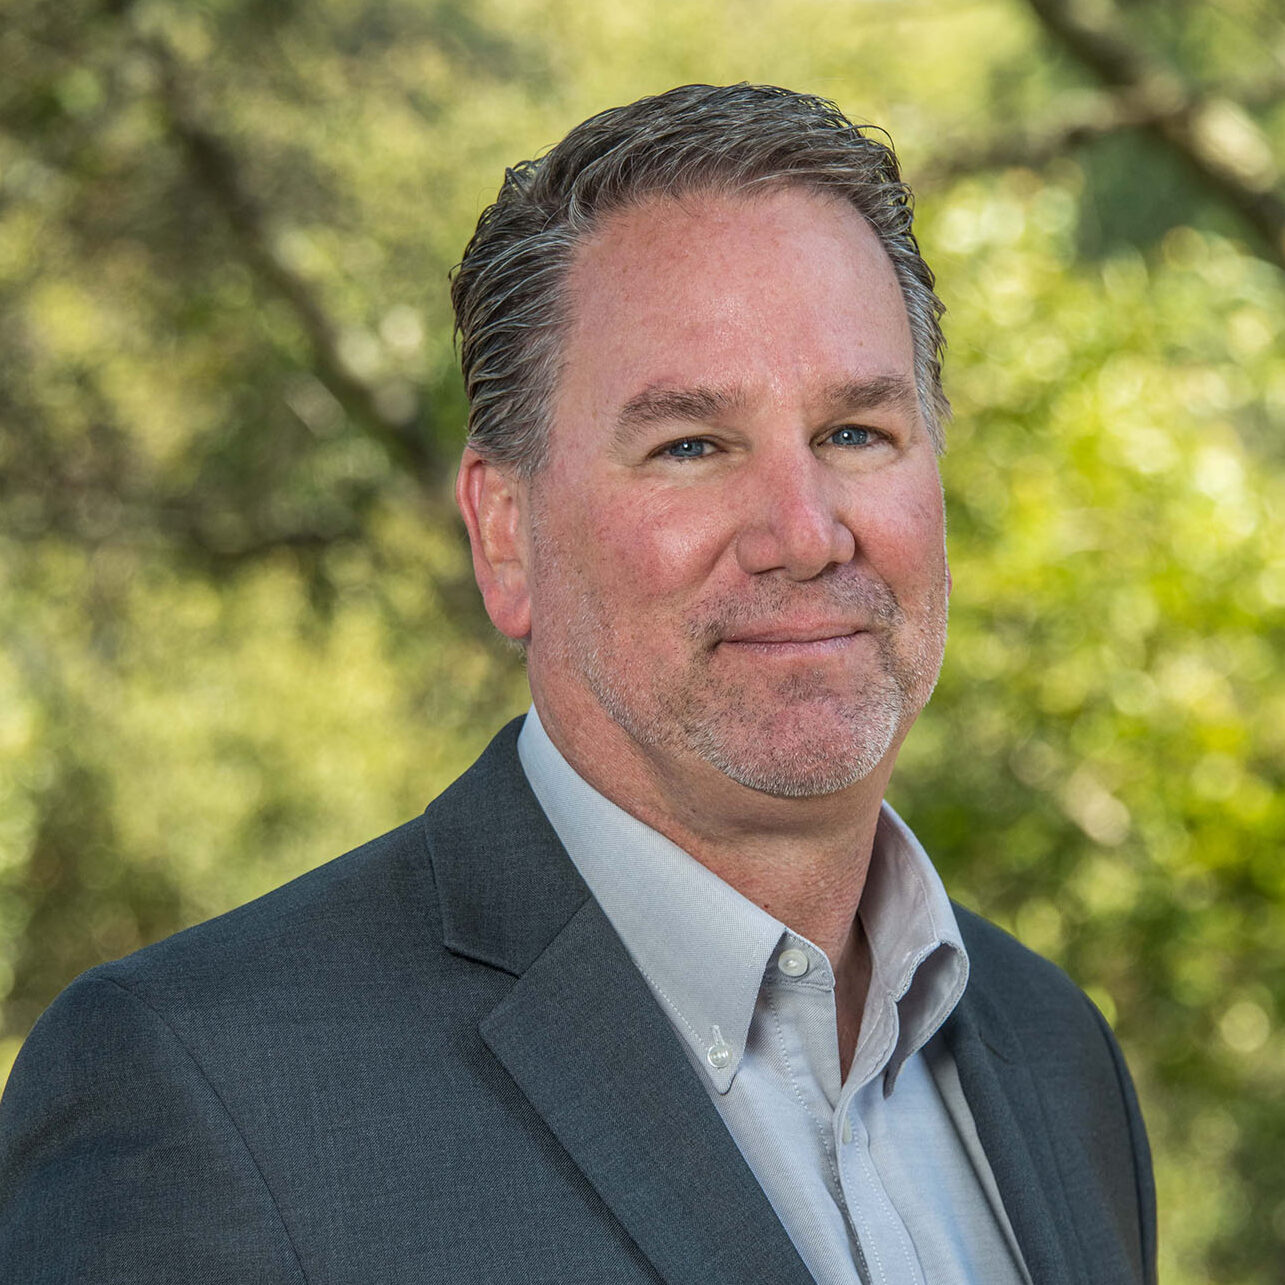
1210 133
1100 113
1032 149
213 165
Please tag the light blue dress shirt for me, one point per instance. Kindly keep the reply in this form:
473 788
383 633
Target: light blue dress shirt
879 1179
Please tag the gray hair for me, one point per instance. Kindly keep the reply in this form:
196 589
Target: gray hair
509 290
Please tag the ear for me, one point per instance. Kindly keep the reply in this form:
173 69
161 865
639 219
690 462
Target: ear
493 503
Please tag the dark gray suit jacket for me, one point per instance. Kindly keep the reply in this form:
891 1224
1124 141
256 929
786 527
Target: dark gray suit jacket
432 1060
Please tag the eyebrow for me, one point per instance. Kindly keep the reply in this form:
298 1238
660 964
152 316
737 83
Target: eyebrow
853 395
661 404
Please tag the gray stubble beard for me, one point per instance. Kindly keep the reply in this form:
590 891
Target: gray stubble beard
722 731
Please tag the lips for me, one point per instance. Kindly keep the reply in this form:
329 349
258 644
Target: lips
787 634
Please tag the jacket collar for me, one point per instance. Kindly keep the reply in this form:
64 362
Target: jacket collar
505 886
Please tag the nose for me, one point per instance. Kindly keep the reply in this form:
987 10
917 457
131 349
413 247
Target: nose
792 520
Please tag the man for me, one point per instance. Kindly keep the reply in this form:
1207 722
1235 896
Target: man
660 989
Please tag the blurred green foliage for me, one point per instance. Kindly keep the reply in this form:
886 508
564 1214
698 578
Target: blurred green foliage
237 628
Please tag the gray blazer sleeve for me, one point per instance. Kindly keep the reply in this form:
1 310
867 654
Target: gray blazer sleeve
119 1162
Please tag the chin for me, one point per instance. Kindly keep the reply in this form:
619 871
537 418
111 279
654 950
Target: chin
809 759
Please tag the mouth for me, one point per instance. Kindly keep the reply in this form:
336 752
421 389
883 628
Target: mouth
801 631
802 640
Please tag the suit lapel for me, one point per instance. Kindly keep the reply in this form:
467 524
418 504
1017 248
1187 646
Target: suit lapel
583 1038
1014 1134
585 1041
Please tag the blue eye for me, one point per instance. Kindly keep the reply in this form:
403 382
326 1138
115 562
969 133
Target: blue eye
686 448
850 435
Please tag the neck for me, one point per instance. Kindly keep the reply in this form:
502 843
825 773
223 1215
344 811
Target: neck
804 861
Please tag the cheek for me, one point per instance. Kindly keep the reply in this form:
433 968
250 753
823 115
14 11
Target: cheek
906 544
653 547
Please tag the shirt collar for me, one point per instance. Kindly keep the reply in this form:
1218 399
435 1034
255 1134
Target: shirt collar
703 948
919 966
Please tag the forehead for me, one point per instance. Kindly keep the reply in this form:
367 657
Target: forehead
790 284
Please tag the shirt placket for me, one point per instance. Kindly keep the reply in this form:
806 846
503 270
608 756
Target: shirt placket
806 1010
882 1248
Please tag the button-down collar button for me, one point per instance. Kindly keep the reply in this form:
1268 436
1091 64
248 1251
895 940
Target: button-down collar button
719 1054
793 962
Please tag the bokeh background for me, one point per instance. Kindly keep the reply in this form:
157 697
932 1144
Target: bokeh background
237 627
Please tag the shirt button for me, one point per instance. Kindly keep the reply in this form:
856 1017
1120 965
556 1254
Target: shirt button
719 1053
719 1056
847 1130
792 962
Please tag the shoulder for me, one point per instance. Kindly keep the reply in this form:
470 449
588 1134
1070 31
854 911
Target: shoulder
369 907
1010 971
353 907
1030 1013
1028 1010
315 946
181 1078
367 922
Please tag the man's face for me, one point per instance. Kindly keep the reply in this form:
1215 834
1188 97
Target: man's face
736 546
